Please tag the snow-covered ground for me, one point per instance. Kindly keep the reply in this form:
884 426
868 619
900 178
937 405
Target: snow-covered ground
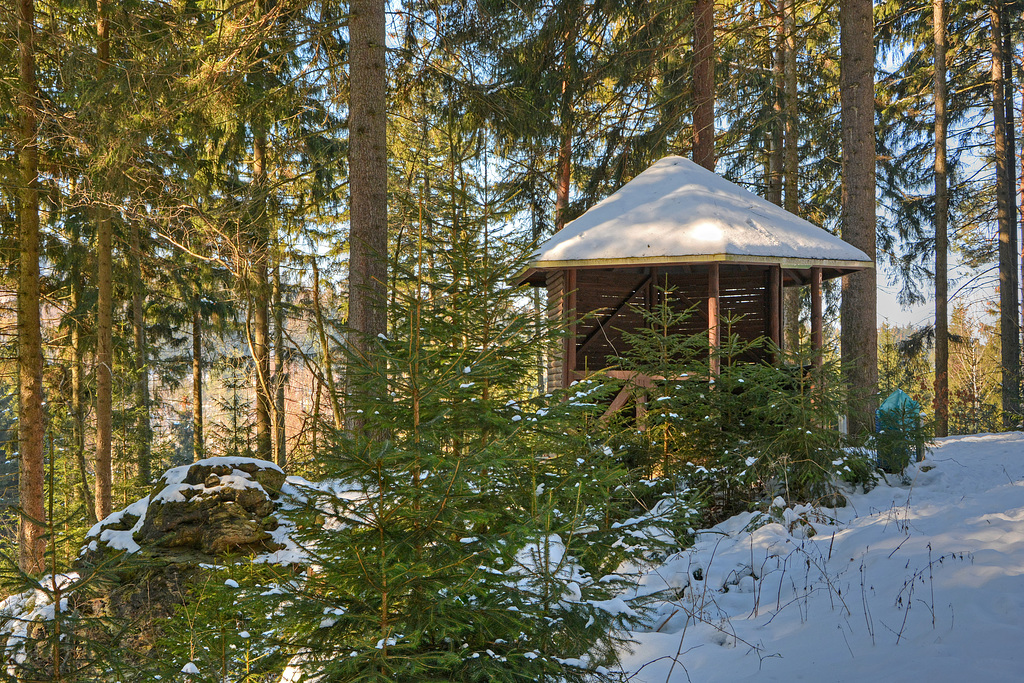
919 579
915 581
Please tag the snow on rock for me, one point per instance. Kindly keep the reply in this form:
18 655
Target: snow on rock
213 506
22 613
118 530
918 579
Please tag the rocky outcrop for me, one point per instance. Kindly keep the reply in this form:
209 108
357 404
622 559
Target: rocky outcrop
213 507
148 561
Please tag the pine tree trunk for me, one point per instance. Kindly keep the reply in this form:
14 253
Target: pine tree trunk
368 175
104 363
77 400
31 417
941 220
325 353
198 445
1009 330
1011 181
704 83
564 176
144 432
1020 218
859 303
280 455
104 316
539 317
563 168
791 163
775 140
260 298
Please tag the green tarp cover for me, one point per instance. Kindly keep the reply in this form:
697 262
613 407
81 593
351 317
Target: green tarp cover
898 423
899 411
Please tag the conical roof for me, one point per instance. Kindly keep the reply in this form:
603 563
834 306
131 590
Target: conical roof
677 212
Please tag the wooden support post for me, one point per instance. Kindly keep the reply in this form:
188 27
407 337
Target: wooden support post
569 364
782 308
653 295
775 305
817 324
713 313
619 401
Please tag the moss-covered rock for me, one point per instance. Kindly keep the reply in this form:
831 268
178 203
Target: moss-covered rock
211 508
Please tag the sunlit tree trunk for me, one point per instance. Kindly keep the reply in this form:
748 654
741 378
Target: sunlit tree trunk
704 83
859 304
1011 130
775 152
941 220
144 430
368 179
104 314
563 167
791 162
198 445
260 298
1009 330
31 418
326 359
280 455
1009 31
77 396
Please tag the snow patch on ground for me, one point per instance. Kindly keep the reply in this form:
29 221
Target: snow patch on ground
918 579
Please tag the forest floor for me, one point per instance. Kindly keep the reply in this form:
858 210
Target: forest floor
919 579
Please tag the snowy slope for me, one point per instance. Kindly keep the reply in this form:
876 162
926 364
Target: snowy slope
915 581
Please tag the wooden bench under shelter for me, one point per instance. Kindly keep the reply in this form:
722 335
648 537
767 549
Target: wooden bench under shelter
679 227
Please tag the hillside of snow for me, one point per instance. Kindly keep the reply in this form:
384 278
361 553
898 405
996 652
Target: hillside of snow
919 579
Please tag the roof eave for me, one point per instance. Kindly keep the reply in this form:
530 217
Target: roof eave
537 268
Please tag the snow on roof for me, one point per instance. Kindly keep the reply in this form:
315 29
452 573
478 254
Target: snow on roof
679 212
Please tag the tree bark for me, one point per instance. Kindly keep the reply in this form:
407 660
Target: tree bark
260 297
1020 193
859 335
704 83
1008 29
31 416
1011 138
280 455
198 445
325 351
368 176
77 399
1009 330
776 151
104 314
144 432
563 169
941 221
791 162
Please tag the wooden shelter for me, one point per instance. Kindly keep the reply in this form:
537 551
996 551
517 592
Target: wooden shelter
680 227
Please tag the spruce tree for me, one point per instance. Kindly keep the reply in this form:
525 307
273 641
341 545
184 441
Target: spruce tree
469 527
